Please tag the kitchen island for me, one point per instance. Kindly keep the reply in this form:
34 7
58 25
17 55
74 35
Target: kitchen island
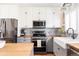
17 49
62 46
73 49
74 46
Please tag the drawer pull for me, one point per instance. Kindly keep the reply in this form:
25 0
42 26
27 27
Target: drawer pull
58 48
24 40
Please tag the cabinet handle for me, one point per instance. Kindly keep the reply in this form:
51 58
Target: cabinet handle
58 48
24 40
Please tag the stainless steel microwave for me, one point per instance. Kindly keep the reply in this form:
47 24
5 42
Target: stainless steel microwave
39 24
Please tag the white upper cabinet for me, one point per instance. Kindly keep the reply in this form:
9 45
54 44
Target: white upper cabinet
46 13
43 13
35 13
8 11
53 19
26 15
29 14
39 13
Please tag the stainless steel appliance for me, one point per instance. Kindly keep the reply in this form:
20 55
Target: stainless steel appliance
39 24
39 36
8 26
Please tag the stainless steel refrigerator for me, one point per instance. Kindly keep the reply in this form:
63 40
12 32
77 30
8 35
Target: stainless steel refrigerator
8 28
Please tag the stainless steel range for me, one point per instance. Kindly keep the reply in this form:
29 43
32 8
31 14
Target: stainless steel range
39 36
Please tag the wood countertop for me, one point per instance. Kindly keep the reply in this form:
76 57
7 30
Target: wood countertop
74 46
17 49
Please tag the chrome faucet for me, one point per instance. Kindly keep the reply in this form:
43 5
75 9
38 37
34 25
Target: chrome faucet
72 34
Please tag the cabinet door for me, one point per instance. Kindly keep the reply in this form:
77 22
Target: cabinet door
55 49
19 40
53 19
50 18
43 13
35 14
8 11
63 52
29 18
26 40
25 19
49 46
58 50
23 40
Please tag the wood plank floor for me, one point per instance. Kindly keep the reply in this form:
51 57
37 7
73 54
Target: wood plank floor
44 54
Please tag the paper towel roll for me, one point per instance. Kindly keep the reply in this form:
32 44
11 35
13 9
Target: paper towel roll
38 43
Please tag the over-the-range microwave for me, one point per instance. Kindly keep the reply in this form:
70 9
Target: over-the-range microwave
39 24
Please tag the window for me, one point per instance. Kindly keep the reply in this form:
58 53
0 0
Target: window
66 21
71 20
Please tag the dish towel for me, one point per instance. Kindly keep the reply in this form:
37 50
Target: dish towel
38 43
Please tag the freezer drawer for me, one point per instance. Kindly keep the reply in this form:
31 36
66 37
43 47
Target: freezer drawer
39 49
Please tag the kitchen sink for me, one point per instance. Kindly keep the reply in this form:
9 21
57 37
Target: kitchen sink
63 41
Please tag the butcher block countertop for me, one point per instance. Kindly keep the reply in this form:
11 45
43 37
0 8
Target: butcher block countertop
74 46
17 49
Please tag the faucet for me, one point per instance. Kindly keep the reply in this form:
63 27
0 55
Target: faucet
72 35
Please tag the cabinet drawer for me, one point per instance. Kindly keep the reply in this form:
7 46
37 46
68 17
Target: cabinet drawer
23 40
26 40
40 49
58 50
19 40
55 48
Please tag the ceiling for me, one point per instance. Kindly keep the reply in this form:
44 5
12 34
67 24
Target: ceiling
35 4
40 4
43 4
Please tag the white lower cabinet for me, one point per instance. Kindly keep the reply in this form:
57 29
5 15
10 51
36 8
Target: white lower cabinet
58 50
49 45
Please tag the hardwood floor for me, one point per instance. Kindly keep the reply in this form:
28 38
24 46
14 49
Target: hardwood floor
44 54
